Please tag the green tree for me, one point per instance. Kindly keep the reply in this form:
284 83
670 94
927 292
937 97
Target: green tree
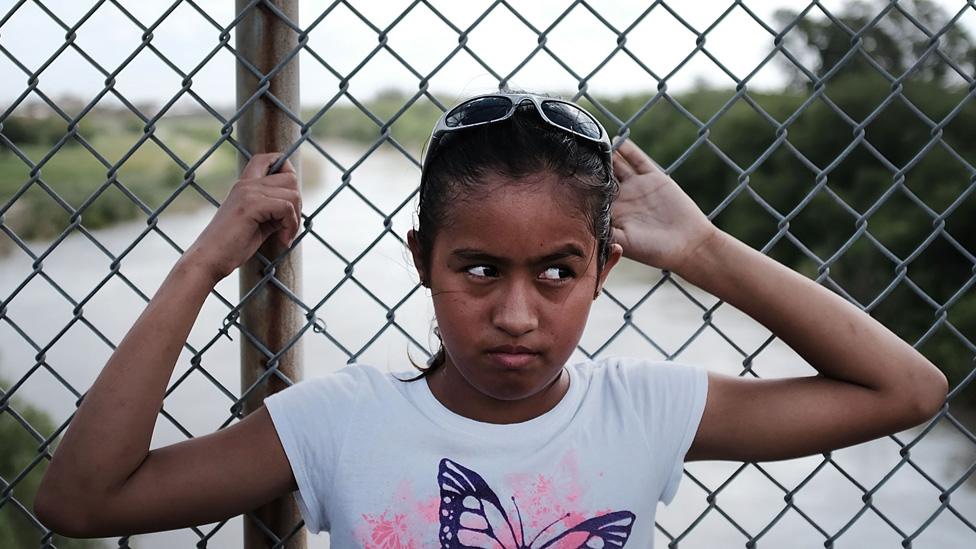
23 131
896 135
889 37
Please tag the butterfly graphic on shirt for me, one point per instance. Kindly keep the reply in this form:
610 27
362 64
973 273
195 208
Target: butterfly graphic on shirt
471 516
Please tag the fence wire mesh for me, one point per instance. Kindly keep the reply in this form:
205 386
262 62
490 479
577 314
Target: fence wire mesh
59 309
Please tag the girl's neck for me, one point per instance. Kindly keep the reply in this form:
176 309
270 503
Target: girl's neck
457 395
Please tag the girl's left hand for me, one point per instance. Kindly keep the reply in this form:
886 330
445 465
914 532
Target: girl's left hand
653 219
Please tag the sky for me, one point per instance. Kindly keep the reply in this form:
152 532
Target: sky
342 39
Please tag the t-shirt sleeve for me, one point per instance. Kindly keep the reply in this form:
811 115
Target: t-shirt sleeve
670 398
311 418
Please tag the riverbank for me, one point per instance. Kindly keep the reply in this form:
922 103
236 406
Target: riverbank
151 177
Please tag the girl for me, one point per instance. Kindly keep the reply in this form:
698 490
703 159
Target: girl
498 442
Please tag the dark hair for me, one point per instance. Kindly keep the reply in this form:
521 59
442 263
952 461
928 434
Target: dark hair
517 147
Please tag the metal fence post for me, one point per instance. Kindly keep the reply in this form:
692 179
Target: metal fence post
264 40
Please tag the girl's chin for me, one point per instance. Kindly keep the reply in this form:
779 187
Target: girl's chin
511 377
512 384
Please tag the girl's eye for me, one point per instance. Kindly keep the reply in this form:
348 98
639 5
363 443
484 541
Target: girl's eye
482 271
557 273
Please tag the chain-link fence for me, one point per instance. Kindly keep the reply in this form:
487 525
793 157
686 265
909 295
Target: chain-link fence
856 169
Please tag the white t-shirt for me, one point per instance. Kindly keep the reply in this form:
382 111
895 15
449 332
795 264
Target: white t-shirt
382 463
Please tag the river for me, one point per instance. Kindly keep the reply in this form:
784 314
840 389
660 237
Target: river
751 499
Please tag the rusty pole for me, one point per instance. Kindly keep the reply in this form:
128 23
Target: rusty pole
264 41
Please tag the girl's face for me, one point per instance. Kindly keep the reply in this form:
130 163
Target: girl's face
512 275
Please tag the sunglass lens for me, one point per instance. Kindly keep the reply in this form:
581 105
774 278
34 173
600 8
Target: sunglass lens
484 109
572 118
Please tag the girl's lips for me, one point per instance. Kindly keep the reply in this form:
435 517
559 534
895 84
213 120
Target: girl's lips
512 360
512 349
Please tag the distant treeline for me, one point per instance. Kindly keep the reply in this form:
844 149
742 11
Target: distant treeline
74 173
149 173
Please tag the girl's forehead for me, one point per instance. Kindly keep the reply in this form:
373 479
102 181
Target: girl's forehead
503 192
519 217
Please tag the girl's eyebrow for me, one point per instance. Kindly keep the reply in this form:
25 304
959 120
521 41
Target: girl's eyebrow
565 251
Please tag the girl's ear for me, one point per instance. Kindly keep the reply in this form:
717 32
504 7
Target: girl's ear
418 263
616 252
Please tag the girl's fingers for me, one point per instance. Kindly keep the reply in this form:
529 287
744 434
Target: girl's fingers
285 168
621 168
637 158
290 195
281 180
258 165
620 238
283 211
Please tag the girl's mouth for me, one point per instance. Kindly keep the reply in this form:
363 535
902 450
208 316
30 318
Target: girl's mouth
512 356
513 360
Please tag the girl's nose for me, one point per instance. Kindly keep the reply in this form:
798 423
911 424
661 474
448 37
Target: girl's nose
514 313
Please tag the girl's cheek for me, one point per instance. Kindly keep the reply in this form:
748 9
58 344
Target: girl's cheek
459 304
572 298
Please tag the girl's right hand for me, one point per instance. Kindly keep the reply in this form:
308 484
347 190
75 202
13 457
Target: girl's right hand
257 206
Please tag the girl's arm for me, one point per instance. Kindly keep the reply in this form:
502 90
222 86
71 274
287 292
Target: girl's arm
870 382
103 479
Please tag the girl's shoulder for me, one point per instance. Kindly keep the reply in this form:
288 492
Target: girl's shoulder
642 378
349 383
352 373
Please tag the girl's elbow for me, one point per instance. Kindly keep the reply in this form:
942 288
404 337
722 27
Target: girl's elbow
59 516
63 507
930 393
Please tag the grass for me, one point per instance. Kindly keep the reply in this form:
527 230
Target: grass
148 173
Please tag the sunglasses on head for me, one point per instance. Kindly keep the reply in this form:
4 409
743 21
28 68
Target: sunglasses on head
495 107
